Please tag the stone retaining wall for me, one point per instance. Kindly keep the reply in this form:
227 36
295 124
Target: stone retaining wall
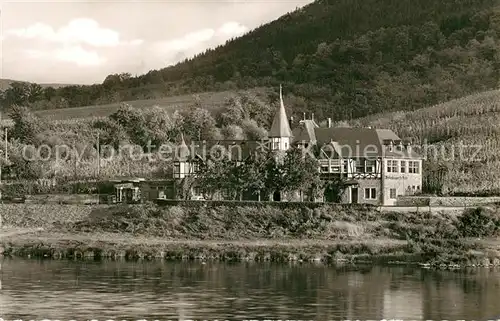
451 201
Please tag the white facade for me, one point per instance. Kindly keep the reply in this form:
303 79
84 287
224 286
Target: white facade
279 143
401 177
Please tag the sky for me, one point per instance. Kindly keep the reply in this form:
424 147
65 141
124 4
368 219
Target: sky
81 42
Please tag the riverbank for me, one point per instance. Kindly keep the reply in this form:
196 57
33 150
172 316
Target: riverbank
328 234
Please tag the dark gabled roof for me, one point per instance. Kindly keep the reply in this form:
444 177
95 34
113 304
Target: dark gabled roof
352 142
305 131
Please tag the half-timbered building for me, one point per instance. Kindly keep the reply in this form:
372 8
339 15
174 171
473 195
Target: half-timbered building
375 164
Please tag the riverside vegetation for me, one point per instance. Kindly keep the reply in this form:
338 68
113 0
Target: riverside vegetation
233 231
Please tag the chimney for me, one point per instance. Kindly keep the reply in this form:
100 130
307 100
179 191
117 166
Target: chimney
291 120
329 122
304 116
312 116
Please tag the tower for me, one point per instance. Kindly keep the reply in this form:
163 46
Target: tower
280 135
181 160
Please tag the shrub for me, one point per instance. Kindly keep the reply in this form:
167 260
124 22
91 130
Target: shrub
479 222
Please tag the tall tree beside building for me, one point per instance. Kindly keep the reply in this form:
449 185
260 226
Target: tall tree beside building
299 172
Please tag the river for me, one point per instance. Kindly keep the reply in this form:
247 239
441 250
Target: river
64 290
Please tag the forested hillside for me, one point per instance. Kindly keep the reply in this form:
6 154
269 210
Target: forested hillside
337 58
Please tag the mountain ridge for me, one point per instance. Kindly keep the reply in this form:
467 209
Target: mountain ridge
5 83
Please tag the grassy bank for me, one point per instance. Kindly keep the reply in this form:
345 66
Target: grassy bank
327 234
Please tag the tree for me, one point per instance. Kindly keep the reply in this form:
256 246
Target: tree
26 125
133 122
232 112
159 125
233 132
49 93
273 177
35 92
110 132
300 172
16 94
198 123
226 176
334 190
252 130
23 161
216 176
248 176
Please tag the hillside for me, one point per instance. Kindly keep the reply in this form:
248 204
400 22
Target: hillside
5 84
212 101
337 58
472 122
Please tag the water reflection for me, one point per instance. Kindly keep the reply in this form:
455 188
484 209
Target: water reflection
162 290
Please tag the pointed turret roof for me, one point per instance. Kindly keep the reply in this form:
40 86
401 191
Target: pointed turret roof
280 126
182 152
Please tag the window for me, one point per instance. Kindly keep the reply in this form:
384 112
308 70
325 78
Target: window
403 166
370 193
360 165
344 166
335 169
413 167
392 166
392 193
395 166
324 169
370 166
286 145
